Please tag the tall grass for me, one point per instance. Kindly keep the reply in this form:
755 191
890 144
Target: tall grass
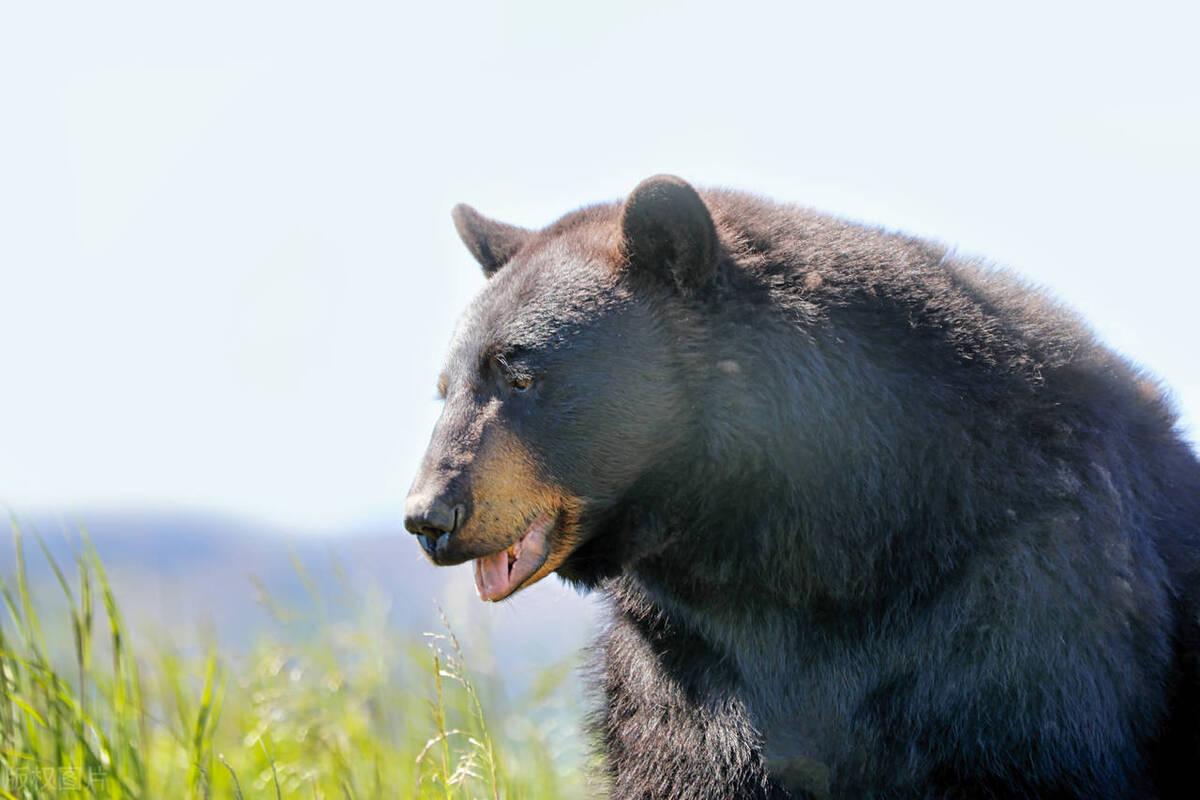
354 710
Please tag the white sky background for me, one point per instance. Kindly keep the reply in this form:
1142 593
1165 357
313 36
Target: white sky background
228 272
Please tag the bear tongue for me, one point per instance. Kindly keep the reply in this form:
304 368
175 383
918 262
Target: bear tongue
495 580
491 575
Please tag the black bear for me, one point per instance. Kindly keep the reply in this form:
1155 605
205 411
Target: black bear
873 521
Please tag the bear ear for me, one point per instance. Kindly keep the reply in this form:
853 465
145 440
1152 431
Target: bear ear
667 231
492 243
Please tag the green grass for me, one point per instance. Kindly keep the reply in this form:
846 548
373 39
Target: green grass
348 709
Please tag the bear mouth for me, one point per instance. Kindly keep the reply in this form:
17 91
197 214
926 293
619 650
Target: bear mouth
500 574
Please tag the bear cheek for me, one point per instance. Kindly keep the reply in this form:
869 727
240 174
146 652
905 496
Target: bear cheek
508 492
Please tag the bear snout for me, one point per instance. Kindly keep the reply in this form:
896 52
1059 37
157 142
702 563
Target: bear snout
433 519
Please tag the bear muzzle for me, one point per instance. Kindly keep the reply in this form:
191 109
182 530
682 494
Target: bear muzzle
434 519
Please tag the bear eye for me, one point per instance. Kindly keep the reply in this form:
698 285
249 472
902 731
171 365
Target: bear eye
520 383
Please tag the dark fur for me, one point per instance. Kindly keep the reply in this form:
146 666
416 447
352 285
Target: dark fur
873 521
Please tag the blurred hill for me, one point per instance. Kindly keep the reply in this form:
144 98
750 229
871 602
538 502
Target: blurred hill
180 574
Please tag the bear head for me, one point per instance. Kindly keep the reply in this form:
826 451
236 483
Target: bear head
564 388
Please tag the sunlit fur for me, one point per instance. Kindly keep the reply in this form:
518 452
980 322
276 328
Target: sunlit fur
508 494
873 520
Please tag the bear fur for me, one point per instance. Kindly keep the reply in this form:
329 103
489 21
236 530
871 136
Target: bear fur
872 520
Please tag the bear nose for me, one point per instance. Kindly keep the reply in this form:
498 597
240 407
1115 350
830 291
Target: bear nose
432 519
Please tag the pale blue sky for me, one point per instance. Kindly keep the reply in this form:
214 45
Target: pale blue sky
227 269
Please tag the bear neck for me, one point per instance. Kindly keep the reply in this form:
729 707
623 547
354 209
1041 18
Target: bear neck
820 475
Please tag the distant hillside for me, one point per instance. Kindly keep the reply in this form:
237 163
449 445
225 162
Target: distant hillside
180 571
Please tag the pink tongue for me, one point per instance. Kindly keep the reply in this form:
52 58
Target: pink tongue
491 575
494 581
